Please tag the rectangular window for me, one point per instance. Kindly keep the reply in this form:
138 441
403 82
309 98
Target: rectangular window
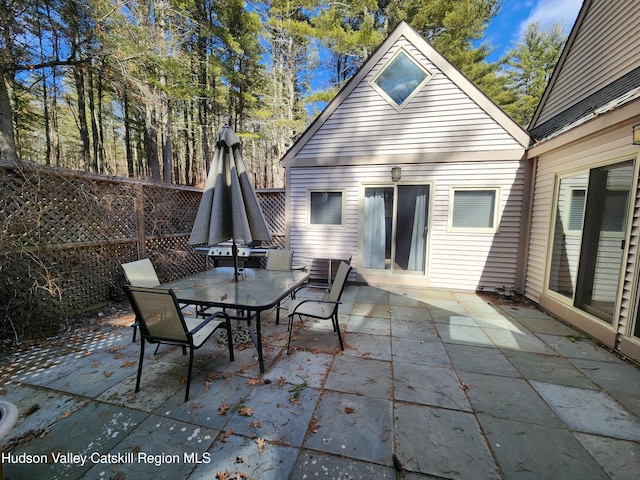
474 209
325 208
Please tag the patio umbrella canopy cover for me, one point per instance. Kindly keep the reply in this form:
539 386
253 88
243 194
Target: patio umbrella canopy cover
229 208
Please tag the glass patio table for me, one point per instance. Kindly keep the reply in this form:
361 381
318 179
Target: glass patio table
255 291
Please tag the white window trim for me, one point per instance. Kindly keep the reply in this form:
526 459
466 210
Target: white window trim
479 230
343 208
418 89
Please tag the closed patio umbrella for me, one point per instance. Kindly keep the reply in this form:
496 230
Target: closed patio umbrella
229 208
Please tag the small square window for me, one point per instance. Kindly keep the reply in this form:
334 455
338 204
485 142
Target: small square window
474 209
325 208
400 79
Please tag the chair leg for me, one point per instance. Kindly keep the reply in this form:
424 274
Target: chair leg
290 332
140 364
135 330
186 396
336 328
229 339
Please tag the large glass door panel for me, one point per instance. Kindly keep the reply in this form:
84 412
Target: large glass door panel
394 232
588 238
604 233
567 234
411 227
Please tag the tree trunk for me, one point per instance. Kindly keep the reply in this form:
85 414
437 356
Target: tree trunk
85 154
8 151
151 141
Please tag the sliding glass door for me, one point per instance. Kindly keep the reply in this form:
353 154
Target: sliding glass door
589 237
394 233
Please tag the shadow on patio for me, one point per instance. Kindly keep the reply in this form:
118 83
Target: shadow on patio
431 384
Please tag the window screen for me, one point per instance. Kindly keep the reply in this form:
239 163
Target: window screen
473 209
325 208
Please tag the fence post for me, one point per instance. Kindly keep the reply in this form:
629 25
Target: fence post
142 235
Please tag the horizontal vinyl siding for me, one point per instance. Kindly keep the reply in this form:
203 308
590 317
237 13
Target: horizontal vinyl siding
605 49
455 260
578 156
439 118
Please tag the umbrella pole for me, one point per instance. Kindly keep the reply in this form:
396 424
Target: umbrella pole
234 252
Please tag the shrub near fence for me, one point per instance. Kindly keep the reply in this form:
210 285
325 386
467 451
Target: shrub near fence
63 236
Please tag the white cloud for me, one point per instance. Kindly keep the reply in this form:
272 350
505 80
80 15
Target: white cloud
548 12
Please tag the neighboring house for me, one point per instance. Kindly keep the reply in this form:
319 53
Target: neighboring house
451 217
582 253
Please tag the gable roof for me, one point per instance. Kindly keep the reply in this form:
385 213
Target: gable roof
405 32
598 70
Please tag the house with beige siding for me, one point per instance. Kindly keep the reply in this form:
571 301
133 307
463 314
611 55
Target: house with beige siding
413 174
584 230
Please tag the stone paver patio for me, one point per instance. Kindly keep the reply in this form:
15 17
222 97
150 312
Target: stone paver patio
431 384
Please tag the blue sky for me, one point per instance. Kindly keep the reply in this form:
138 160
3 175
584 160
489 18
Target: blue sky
506 28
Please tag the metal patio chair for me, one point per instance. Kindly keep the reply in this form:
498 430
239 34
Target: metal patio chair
162 322
279 260
323 309
142 273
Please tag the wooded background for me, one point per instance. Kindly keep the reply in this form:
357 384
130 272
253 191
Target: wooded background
141 88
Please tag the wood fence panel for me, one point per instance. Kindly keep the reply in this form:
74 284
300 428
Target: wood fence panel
63 236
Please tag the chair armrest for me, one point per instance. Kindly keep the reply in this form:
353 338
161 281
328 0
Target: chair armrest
311 300
219 314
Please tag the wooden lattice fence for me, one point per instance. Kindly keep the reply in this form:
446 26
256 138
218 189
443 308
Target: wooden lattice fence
63 236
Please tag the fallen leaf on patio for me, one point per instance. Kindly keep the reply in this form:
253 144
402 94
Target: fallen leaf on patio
130 363
280 381
254 381
465 386
115 349
222 436
255 424
108 374
118 356
411 388
349 410
313 424
136 449
214 376
95 364
66 414
239 460
223 409
207 384
246 411
294 401
226 475
260 443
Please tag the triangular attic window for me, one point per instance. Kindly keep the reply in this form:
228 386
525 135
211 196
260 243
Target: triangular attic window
401 79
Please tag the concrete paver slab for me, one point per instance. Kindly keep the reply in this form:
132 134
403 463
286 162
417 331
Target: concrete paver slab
426 385
448 444
353 426
527 451
549 369
618 458
419 352
362 376
240 457
506 397
480 360
590 411
317 465
92 431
